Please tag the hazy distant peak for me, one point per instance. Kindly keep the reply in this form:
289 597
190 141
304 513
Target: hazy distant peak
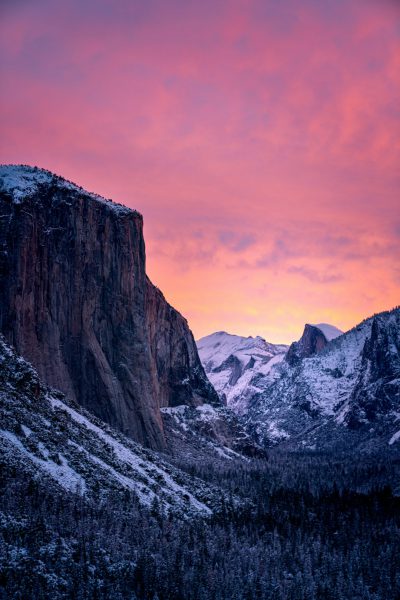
233 361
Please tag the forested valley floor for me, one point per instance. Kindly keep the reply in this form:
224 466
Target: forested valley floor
305 528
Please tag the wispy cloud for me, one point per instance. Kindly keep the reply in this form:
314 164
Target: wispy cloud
259 139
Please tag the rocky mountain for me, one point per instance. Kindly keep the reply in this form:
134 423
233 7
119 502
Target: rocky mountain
324 393
63 447
313 340
237 366
75 302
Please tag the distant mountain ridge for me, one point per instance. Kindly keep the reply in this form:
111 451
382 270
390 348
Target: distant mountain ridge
321 393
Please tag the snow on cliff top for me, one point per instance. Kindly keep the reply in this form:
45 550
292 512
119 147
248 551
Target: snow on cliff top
330 331
21 181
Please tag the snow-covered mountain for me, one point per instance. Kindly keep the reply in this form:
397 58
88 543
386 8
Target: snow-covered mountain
347 393
58 443
237 366
328 389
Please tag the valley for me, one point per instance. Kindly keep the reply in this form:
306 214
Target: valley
138 464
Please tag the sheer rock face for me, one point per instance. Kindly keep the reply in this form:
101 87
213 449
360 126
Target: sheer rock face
312 341
76 302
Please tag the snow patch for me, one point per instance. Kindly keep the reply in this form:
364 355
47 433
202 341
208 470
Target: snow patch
174 410
394 438
21 181
26 430
65 476
127 456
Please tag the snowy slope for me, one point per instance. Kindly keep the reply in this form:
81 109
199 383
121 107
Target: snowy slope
236 365
215 348
207 433
353 384
64 445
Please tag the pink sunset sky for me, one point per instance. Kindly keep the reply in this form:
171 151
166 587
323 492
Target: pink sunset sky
260 141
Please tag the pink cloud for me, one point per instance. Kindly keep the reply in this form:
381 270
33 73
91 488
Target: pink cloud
260 141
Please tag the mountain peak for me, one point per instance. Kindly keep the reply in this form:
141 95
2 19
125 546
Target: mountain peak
312 341
330 331
233 361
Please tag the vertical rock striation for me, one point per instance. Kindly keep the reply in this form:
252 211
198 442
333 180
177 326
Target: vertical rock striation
75 301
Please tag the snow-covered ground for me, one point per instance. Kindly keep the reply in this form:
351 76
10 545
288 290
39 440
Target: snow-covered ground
57 441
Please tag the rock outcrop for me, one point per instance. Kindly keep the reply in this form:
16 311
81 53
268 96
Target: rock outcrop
75 301
312 341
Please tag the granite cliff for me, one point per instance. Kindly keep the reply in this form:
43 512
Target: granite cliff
75 302
313 340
